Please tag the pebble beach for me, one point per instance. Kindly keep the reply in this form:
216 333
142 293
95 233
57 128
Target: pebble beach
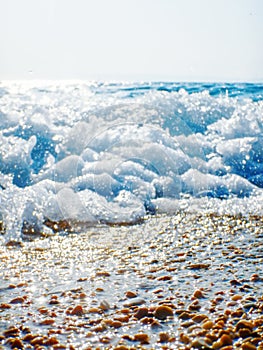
171 282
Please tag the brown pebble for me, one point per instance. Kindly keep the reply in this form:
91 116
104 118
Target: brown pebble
163 337
248 346
43 310
11 331
255 278
186 315
18 300
130 294
16 343
121 347
47 321
143 338
200 343
51 341
187 324
103 274
258 322
116 324
108 321
29 337
5 306
54 301
199 318
94 310
105 340
163 311
198 266
127 337
244 324
59 347
164 278
147 320
122 318
37 341
194 306
226 340
198 294
236 297
184 338
141 312
77 310
208 325
244 332
237 313
82 295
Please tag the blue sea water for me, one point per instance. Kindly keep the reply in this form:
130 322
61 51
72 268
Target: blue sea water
109 152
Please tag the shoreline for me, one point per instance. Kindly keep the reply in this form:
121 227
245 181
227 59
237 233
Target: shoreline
171 282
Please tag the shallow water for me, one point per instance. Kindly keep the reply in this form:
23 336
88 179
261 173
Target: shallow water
90 152
162 261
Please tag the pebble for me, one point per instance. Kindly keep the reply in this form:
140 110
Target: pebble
18 300
102 274
16 343
163 311
51 341
130 294
208 325
143 338
122 318
244 324
163 337
199 318
77 310
141 312
194 306
116 324
134 302
248 346
185 315
236 297
184 338
94 310
200 343
47 321
104 305
198 294
11 331
164 278
226 340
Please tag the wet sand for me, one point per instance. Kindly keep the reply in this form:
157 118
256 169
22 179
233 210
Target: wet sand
179 282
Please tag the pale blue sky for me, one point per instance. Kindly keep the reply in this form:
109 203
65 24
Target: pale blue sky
179 40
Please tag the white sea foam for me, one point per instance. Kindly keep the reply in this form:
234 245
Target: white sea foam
115 152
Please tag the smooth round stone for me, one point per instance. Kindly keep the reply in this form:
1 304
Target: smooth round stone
134 302
163 311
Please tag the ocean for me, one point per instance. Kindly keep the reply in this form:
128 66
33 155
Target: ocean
91 153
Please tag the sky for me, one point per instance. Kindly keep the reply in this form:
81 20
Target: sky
150 40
